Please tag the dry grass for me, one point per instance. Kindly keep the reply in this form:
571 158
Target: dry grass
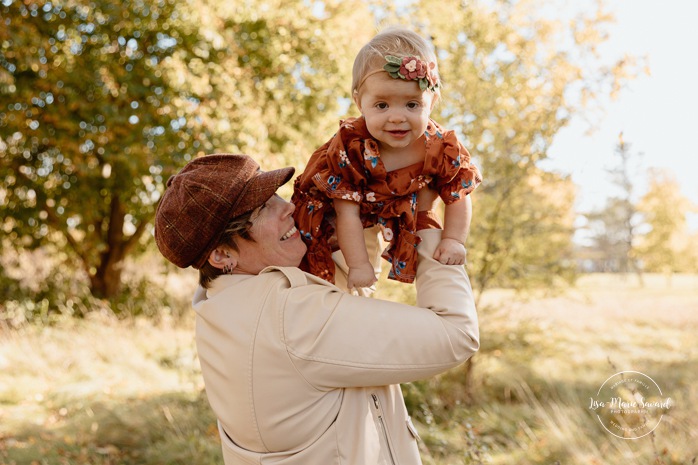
605 300
102 391
105 392
547 355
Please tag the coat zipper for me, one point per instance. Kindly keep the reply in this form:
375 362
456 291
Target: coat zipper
381 422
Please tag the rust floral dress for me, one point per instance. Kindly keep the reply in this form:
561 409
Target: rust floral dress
349 167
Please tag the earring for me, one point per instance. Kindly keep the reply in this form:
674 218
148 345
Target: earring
228 269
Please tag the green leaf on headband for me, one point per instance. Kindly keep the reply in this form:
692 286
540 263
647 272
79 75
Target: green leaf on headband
391 68
393 60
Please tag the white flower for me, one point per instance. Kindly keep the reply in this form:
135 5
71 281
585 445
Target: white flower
352 196
371 196
411 66
388 234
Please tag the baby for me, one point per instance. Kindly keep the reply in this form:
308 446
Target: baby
386 167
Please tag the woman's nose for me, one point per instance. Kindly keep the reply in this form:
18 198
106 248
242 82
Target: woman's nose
290 207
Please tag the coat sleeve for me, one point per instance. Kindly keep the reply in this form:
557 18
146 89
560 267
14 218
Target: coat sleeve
339 340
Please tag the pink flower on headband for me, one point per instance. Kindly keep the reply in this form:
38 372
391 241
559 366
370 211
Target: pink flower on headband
412 68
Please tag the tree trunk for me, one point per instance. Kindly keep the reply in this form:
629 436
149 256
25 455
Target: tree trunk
106 282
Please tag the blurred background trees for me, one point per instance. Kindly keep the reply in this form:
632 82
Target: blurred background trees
667 246
632 233
92 119
616 224
101 101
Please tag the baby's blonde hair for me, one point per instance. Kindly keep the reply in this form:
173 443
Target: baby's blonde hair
397 41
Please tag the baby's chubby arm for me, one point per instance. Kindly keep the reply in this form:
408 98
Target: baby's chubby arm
350 236
457 217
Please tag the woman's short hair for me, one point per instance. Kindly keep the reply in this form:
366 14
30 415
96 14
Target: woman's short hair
237 228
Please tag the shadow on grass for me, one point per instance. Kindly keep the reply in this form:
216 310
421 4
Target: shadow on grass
175 428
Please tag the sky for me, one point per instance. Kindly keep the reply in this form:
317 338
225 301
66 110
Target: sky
657 113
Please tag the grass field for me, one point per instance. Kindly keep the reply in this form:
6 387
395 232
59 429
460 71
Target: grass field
99 391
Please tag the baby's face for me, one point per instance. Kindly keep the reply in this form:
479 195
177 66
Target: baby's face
396 111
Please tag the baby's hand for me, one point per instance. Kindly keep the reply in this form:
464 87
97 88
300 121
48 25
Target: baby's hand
361 276
450 252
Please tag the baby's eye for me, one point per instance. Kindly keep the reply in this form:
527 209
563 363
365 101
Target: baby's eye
413 105
381 105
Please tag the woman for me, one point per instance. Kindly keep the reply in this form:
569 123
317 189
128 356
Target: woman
296 370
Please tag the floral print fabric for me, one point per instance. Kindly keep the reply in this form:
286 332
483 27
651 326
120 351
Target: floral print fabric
349 167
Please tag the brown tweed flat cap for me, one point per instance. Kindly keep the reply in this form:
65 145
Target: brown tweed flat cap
203 197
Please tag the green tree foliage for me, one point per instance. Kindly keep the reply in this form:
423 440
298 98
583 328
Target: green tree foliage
667 246
90 119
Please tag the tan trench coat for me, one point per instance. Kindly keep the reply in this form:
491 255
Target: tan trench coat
299 372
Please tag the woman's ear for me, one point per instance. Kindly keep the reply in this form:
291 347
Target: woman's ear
223 258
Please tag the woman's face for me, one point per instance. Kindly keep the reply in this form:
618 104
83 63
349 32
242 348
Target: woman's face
277 241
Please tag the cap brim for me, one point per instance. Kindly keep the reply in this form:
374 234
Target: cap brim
263 186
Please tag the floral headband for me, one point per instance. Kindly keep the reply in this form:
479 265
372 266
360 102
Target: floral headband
409 68
412 69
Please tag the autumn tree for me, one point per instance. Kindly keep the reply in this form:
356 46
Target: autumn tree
667 246
89 121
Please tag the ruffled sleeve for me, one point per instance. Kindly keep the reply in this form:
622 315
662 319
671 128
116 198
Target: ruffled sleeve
455 175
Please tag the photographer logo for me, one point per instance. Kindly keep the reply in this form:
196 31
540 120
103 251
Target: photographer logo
629 405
